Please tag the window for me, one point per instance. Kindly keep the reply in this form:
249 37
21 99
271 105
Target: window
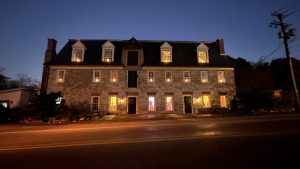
166 56
168 76
132 58
132 79
151 103
166 53
77 55
202 53
186 76
95 103
113 103
223 101
96 76
107 56
114 76
60 76
169 103
151 76
108 52
206 101
204 76
221 77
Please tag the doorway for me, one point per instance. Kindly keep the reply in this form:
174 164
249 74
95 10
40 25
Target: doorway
187 104
131 105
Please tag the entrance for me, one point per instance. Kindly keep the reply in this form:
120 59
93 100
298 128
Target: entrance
131 105
187 104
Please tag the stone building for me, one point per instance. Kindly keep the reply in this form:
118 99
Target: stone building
140 76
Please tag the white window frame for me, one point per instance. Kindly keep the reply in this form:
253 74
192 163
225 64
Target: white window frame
204 76
186 79
114 80
108 46
94 76
171 78
202 48
74 56
154 108
60 79
148 77
92 103
225 101
166 47
172 99
110 108
221 76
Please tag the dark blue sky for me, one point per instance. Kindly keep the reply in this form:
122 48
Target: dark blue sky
25 26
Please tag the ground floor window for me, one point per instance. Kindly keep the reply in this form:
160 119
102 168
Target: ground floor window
223 101
113 103
169 103
206 101
95 103
151 103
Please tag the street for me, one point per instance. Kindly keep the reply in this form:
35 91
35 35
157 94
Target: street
233 142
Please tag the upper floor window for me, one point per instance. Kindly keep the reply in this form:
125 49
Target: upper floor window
168 76
202 53
60 77
114 76
108 52
186 76
166 53
221 77
151 77
204 76
78 51
96 76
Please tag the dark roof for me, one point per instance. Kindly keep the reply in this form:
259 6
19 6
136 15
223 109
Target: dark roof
184 53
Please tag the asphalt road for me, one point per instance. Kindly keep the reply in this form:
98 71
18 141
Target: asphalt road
243 142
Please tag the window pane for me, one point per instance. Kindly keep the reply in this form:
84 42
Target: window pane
113 103
169 103
96 76
151 103
168 77
166 55
108 55
204 77
95 103
186 76
77 55
114 76
221 77
223 101
151 76
60 76
202 57
206 101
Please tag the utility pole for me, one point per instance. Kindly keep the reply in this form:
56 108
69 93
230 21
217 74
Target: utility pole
286 36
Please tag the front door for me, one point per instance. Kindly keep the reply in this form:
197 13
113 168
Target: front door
131 105
187 104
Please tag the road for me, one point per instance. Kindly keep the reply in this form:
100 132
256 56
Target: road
236 142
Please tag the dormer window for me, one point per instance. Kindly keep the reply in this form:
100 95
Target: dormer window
166 53
202 53
78 51
108 52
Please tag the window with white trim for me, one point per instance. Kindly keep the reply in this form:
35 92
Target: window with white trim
168 76
204 76
96 76
202 53
108 52
60 77
112 103
169 103
151 103
221 77
114 76
166 53
186 76
95 103
77 55
206 101
151 76
223 101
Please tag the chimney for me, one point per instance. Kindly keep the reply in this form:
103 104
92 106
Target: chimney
51 50
220 43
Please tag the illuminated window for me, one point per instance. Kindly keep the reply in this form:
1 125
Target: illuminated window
221 76
169 103
168 76
204 76
96 76
108 52
113 103
78 51
202 53
114 76
186 76
151 76
166 56
95 103
206 101
223 101
60 76
151 103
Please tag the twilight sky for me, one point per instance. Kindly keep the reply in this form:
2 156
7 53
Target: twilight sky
25 26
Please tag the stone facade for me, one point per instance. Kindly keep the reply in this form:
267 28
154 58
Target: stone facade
78 87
